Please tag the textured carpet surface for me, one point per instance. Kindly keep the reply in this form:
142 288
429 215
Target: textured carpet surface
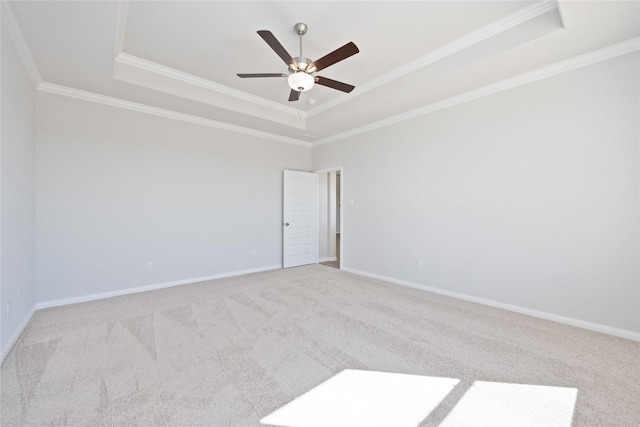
230 352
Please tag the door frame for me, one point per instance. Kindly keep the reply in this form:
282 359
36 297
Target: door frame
341 170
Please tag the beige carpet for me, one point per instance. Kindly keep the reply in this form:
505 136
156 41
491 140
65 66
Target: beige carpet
230 352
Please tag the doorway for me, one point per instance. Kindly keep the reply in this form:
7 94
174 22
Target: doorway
330 217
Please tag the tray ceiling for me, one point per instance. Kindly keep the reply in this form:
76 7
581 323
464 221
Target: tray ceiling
181 58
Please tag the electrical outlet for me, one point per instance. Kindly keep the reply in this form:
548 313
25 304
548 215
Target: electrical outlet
149 265
253 252
8 308
419 265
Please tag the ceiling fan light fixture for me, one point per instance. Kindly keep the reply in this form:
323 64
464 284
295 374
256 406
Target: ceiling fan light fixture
300 77
301 81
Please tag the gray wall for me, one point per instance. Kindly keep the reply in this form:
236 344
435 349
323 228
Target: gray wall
17 200
117 188
528 197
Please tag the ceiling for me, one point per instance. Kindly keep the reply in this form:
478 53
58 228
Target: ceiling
180 58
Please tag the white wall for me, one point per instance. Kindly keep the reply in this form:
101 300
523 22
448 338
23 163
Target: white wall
17 189
528 197
117 188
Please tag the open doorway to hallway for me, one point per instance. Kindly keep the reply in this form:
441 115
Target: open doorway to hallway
330 235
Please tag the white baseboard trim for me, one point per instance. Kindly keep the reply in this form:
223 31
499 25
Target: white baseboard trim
326 259
14 338
622 333
93 297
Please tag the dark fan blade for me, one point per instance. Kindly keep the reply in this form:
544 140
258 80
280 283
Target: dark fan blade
336 56
294 95
333 84
244 76
277 47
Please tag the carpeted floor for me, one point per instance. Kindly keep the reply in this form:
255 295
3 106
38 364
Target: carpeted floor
230 352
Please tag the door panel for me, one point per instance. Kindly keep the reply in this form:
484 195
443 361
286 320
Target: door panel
299 231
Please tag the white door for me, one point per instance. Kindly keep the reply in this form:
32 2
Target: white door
299 225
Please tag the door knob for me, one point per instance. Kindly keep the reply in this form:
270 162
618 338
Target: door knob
286 224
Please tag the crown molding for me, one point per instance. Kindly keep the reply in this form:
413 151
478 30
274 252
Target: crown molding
599 55
525 14
121 25
161 112
535 10
9 20
603 54
521 16
181 76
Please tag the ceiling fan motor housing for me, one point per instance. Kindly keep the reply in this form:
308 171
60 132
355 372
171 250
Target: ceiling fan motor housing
302 64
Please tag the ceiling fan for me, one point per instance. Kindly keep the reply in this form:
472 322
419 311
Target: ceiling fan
301 69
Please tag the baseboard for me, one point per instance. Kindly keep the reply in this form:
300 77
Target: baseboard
622 333
327 259
93 297
16 335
